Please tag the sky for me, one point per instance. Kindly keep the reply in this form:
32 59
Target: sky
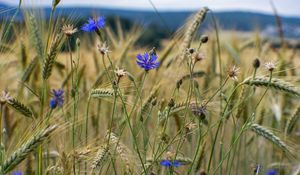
284 7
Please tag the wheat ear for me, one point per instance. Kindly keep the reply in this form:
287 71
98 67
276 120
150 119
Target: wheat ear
20 154
102 93
275 83
50 59
267 134
36 37
292 121
196 22
20 107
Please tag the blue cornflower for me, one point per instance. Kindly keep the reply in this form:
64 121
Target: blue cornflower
271 172
17 173
57 99
147 61
168 163
93 25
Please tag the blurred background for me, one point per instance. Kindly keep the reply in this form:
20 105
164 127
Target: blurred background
161 18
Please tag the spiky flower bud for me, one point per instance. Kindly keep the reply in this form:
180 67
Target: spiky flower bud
69 29
190 50
171 103
204 39
270 66
256 63
103 48
233 72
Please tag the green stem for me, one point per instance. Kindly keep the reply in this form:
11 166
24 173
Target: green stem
219 126
197 148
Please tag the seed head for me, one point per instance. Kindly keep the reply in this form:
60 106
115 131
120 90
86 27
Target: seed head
256 63
199 110
171 103
233 73
191 126
120 72
270 66
103 48
5 97
69 30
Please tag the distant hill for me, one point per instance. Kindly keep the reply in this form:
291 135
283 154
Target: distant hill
232 20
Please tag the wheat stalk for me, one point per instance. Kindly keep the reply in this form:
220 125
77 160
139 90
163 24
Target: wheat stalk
275 83
148 102
20 154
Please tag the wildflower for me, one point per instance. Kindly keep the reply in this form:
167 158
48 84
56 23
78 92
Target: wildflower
233 73
94 25
103 49
204 39
256 63
58 99
120 72
198 56
168 163
17 173
271 172
270 66
147 61
5 97
169 155
191 126
68 29
199 111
